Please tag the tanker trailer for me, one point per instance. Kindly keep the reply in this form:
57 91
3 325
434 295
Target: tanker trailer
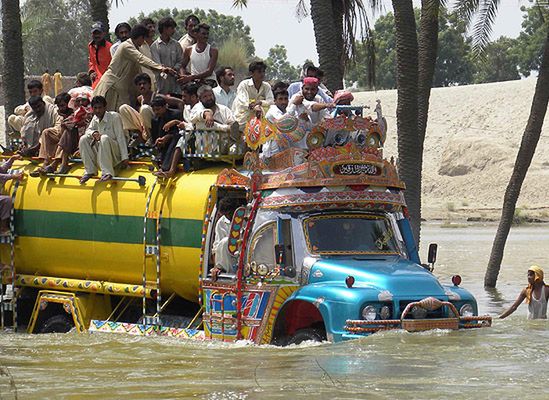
82 248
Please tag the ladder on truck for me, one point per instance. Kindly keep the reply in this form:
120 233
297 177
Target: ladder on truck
9 239
152 251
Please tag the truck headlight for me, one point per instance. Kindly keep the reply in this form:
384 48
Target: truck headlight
385 312
369 313
418 312
466 310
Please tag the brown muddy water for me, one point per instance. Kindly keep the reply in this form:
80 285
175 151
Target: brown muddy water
509 360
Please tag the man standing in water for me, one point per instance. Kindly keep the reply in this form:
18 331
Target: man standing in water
536 295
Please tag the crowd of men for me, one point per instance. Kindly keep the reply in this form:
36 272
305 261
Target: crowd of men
158 89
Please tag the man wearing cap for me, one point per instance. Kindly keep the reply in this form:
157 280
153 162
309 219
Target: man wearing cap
309 71
307 105
99 53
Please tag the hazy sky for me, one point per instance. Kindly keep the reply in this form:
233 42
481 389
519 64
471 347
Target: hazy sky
273 21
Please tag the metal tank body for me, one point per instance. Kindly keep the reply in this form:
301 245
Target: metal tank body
95 231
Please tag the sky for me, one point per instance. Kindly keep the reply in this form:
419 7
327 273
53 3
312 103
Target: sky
273 21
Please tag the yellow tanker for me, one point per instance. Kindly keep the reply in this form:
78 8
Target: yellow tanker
95 231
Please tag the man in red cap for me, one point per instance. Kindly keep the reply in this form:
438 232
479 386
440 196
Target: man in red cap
99 53
307 105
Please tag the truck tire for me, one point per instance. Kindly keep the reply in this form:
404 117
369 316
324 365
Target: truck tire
307 334
60 323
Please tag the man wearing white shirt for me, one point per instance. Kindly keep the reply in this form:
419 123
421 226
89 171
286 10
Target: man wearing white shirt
104 145
188 40
223 92
276 111
307 105
252 95
310 71
122 32
208 114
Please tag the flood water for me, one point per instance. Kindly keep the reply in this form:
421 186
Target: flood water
509 360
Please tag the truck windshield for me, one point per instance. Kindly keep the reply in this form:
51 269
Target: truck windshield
341 234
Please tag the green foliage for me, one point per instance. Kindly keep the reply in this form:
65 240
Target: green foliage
503 59
454 62
529 44
385 54
280 68
233 53
222 27
55 35
498 63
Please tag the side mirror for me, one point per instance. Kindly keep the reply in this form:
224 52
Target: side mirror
432 257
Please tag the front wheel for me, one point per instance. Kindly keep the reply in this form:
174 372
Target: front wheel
307 334
60 323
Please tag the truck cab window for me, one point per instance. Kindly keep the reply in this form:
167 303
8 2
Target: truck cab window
262 247
349 234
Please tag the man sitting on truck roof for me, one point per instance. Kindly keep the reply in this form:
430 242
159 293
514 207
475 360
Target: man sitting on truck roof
42 116
139 120
17 119
276 111
252 94
164 140
308 105
104 145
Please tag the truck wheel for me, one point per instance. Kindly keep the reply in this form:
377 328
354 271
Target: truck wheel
60 323
308 334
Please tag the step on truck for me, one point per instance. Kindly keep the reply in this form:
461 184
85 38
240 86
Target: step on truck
319 245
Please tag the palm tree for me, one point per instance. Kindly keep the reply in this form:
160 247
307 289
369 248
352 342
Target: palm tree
336 24
100 11
13 68
409 166
485 11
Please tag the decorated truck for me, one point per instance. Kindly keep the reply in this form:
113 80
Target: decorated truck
321 243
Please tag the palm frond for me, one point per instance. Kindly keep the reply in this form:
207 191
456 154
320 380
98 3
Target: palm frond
240 3
356 24
301 10
466 9
483 25
431 7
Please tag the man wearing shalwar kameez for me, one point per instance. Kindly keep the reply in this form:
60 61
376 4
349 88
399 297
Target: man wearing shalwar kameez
117 82
104 145
41 116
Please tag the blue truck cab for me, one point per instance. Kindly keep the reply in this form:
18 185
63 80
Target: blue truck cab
324 245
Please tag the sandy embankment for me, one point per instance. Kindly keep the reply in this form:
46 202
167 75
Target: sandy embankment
471 143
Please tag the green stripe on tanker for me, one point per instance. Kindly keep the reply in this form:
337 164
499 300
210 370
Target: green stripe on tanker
106 228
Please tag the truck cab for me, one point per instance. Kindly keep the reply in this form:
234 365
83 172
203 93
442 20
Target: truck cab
324 251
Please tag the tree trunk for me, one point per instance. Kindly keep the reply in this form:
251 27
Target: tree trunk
13 79
409 146
100 12
326 36
525 154
427 59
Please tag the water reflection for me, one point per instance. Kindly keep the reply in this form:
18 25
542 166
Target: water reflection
508 360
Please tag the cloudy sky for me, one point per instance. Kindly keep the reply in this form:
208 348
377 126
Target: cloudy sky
273 21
